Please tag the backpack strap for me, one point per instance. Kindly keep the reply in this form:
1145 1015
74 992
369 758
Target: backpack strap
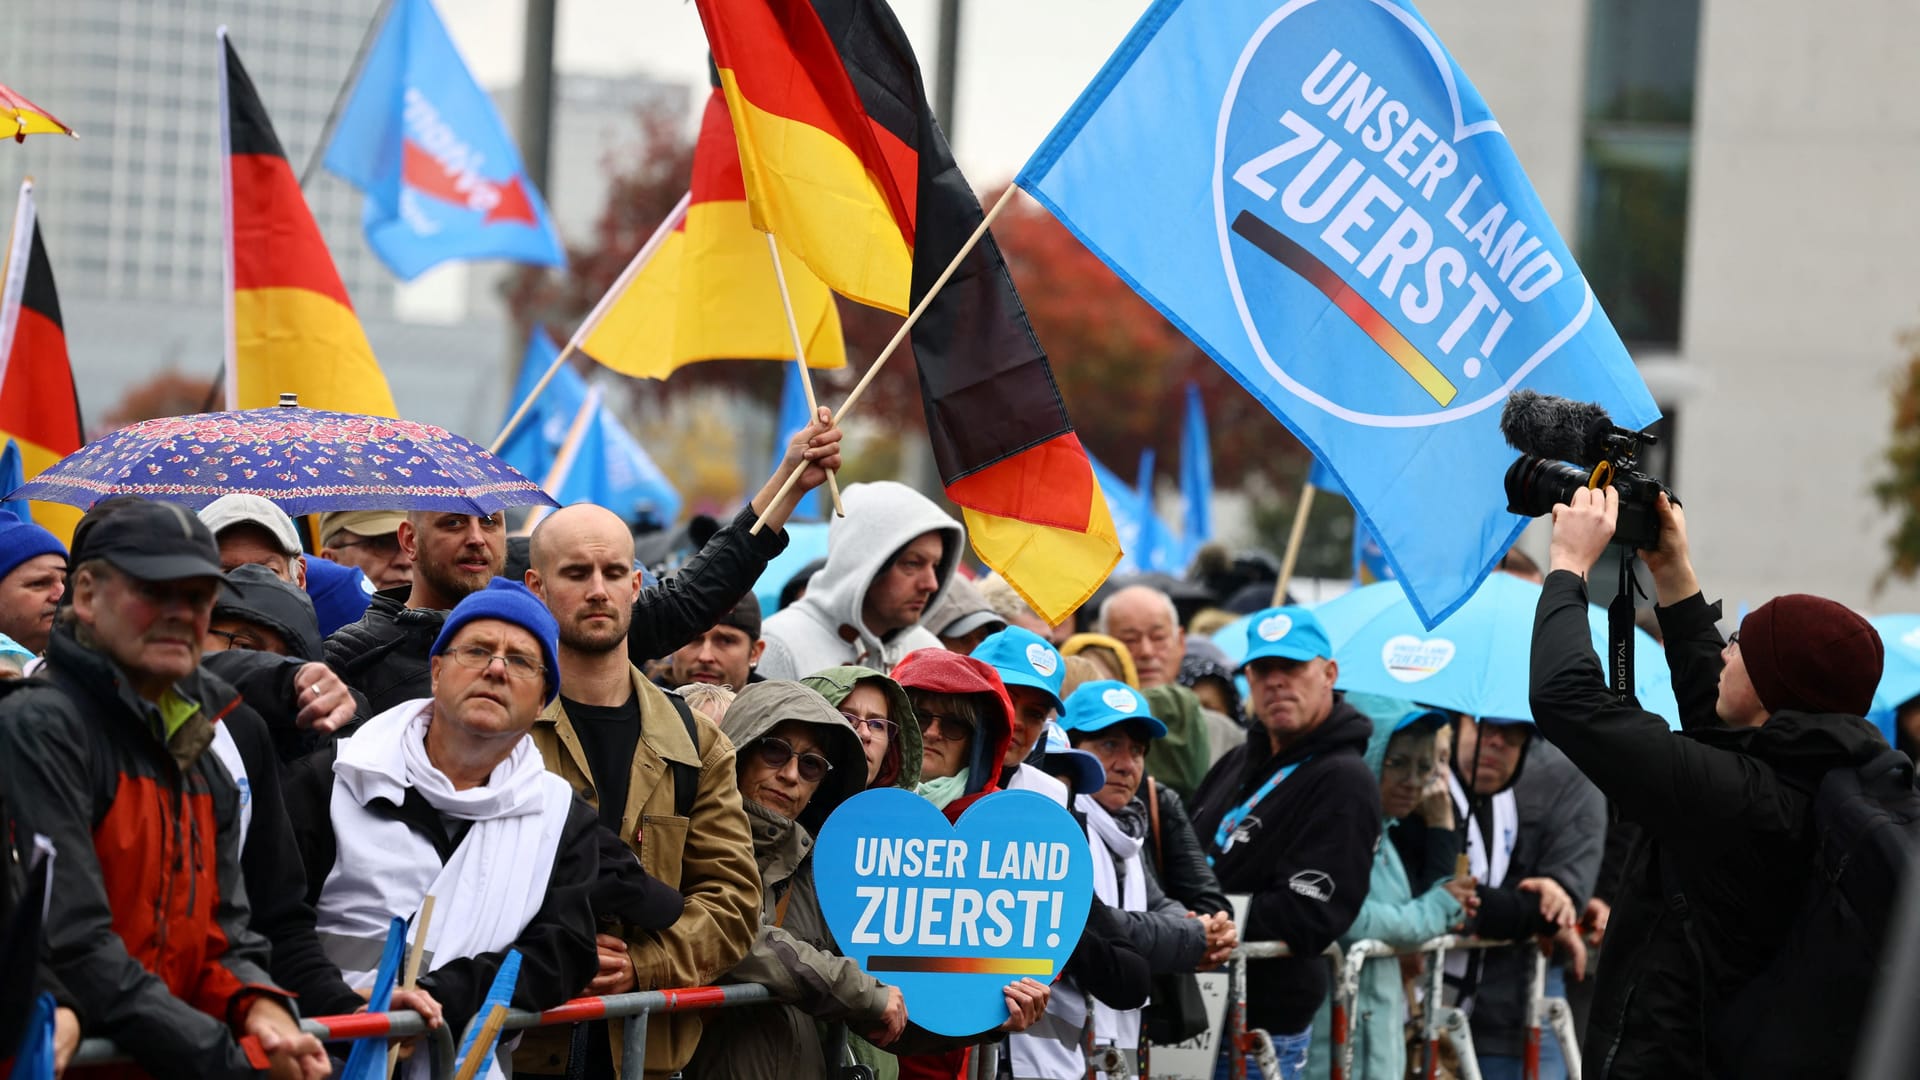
1153 825
686 778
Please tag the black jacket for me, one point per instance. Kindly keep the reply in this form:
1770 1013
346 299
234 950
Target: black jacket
1307 858
1720 870
1178 860
557 953
385 655
266 681
1562 830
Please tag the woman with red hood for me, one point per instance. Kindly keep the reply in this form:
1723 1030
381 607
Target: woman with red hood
966 725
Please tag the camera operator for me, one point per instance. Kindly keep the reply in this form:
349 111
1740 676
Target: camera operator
1726 804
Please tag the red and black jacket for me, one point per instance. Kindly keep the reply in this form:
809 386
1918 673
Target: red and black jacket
148 928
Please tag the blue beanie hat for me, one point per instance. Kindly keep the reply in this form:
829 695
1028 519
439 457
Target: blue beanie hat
22 540
509 602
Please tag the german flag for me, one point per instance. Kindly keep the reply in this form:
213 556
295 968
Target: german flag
1005 447
709 292
39 407
820 172
290 325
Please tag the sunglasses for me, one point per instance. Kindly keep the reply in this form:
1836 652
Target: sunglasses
775 753
953 727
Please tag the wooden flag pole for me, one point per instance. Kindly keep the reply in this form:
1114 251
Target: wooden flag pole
1294 538
900 335
800 357
489 1034
410 976
640 260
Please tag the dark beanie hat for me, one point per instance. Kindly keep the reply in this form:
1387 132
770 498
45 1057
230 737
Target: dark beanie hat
1809 654
744 616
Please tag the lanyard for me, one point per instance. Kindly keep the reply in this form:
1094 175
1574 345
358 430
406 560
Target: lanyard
1229 831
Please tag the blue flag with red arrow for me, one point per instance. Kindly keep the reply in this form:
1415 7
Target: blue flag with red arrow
423 140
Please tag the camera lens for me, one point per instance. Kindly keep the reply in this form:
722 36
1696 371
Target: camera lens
1535 485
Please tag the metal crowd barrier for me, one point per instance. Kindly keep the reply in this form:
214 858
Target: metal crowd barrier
1437 1021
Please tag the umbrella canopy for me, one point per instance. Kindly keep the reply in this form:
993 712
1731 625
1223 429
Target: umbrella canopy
1477 660
1900 678
306 460
24 118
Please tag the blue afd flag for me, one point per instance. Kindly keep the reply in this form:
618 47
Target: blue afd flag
13 473
793 416
608 467
442 177
1196 476
1315 194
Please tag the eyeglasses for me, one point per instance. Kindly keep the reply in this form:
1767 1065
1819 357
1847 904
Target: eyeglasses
240 639
1733 638
871 725
954 727
387 544
775 753
480 658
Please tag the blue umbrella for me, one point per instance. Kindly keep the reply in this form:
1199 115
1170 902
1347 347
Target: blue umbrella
306 460
1476 661
1900 678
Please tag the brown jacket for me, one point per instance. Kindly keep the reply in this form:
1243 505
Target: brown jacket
711 863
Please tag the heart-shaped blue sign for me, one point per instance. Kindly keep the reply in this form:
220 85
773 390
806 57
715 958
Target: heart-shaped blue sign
953 913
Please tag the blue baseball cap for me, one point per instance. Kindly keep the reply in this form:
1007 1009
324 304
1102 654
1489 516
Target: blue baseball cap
1024 658
1102 703
1089 775
1290 633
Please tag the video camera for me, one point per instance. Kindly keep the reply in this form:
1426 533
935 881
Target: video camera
1568 445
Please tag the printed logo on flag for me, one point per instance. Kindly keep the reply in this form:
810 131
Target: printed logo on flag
1120 700
1352 167
437 164
1410 659
1274 627
1042 660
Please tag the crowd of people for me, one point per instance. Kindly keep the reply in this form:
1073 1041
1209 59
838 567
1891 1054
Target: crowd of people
249 760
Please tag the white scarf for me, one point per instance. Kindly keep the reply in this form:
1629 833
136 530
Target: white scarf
1491 872
486 894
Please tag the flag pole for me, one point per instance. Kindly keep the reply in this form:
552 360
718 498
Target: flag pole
899 336
411 975
13 281
230 373
640 260
346 90
563 461
800 357
1294 538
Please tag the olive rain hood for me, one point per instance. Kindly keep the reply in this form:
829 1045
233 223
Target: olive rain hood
901 767
825 627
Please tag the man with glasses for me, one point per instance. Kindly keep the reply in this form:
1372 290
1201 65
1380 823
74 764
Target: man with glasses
1145 620
370 540
662 779
446 797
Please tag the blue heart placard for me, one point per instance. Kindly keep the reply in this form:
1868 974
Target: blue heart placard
953 913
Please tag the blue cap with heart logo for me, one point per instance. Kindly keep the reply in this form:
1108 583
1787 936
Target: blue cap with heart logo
1289 633
1102 703
1024 658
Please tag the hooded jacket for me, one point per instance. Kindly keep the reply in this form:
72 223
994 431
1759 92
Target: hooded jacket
901 767
794 954
1306 856
385 655
938 671
1727 841
1393 914
150 934
825 628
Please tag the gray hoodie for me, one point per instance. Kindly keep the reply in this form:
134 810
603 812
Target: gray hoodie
824 628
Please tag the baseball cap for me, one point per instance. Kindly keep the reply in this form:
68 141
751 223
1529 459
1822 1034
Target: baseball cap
961 610
245 508
1290 633
260 597
148 540
1024 658
360 522
1089 775
1102 703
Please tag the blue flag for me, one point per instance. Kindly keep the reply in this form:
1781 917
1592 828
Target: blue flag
1158 550
13 473
793 417
442 177
1318 197
1196 476
1322 477
608 467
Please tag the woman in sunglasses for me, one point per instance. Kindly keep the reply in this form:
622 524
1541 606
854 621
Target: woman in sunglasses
966 724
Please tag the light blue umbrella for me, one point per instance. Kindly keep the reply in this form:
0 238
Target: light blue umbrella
1900 678
1476 661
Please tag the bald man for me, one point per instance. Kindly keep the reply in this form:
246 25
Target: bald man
650 766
